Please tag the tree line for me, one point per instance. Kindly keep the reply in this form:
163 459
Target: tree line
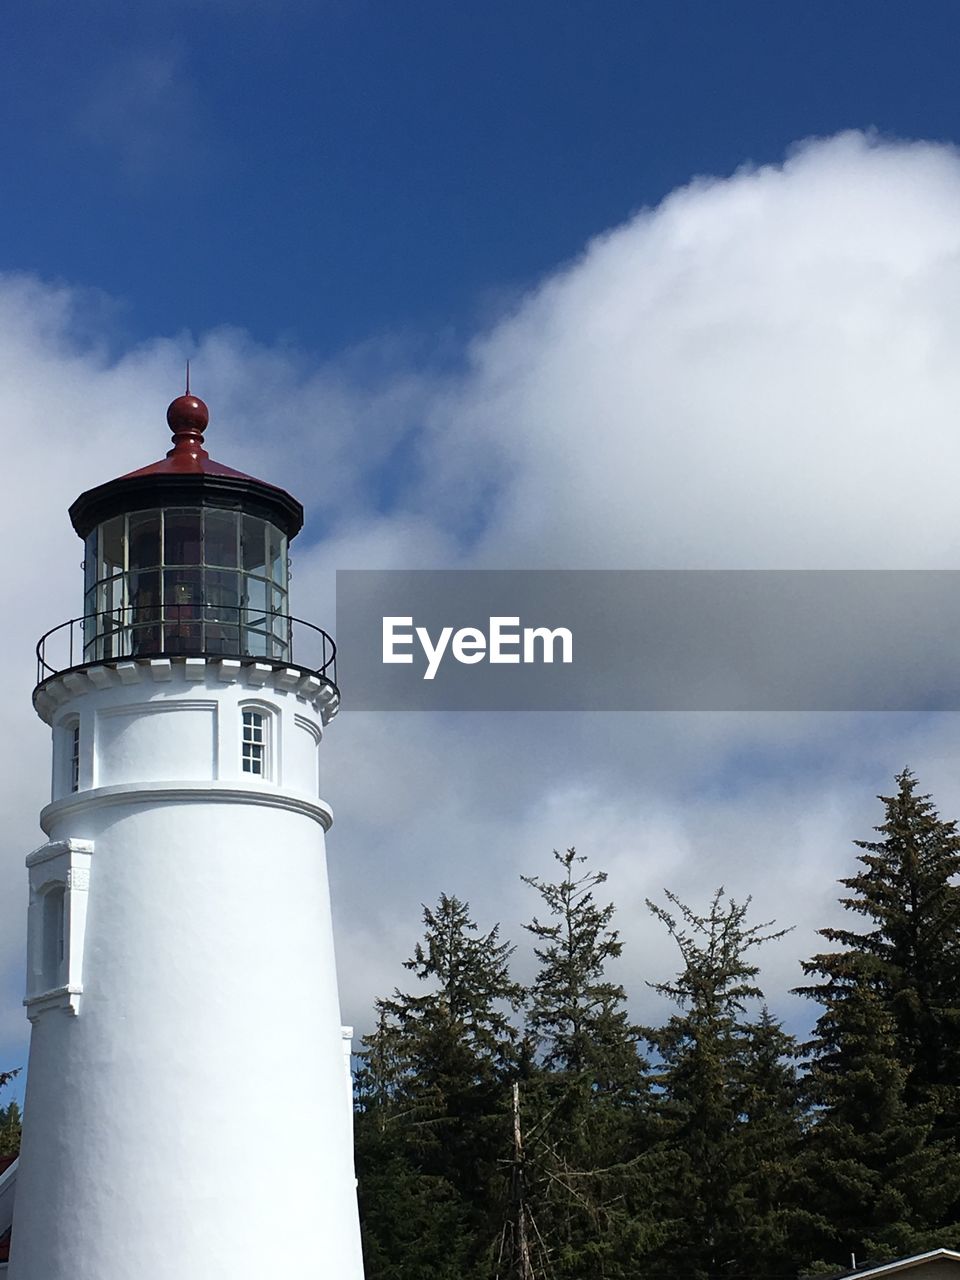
536 1132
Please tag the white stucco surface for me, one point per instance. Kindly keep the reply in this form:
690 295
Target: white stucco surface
185 1113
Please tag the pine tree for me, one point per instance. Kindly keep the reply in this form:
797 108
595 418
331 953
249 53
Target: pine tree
729 1111
413 1223
588 1101
10 1120
910 956
884 1072
10 1126
875 1181
434 1121
577 1016
772 1117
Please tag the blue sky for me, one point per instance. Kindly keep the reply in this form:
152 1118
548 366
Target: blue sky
321 173
610 285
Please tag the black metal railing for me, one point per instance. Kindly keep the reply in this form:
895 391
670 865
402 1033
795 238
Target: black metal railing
185 630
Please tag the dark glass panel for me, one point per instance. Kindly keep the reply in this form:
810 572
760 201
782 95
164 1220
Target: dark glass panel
90 624
182 590
111 547
221 611
183 637
145 596
182 602
221 637
181 537
253 542
90 563
220 532
144 539
145 612
277 554
221 592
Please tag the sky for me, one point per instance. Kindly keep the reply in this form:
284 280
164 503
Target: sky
552 285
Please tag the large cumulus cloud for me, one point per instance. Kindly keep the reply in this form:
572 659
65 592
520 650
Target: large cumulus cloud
760 372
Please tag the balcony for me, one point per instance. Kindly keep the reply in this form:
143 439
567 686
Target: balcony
186 631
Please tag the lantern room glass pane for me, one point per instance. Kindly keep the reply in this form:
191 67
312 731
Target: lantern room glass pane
182 537
144 594
143 538
221 591
111 558
221 611
182 605
143 612
110 594
182 589
220 536
253 545
277 554
90 574
255 595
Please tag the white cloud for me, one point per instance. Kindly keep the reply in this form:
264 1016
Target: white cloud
760 372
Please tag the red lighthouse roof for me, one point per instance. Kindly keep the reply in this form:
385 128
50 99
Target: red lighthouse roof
186 476
187 418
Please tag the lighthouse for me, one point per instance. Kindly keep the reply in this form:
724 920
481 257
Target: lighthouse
186 1113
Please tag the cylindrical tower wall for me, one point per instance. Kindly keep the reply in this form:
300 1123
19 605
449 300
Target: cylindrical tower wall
185 1111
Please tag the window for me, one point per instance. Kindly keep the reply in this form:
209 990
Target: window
53 937
56 924
75 757
254 751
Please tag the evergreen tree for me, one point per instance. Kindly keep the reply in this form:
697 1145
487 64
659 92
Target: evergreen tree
588 1101
729 1112
884 1075
413 1223
10 1120
910 954
875 1181
434 1123
10 1126
772 1118
577 1016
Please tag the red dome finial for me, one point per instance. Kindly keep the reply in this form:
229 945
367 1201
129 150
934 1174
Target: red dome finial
187 417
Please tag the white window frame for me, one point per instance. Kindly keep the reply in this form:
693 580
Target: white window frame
61 867
68 743
73 759
269 752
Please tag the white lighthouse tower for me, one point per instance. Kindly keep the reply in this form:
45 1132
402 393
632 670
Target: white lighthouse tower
185 1114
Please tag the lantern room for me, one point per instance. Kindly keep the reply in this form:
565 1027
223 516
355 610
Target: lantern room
186 558
199 579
